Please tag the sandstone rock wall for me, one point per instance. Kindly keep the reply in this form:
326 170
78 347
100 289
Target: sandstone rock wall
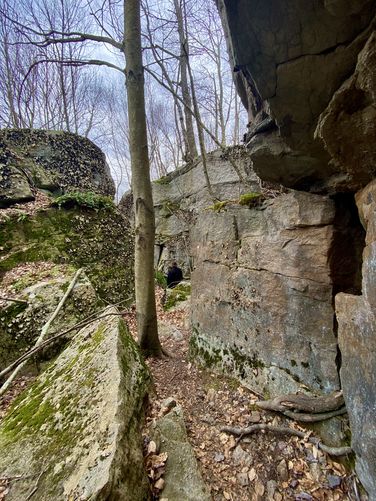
179 197
262 294
357 341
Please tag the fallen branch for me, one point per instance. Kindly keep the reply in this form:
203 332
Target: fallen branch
13 300
304 403
87 321
44 330
284 430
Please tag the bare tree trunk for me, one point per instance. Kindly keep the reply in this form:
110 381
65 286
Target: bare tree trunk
184 81
141 186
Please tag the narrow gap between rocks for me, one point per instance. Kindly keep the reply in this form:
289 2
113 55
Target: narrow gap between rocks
263 466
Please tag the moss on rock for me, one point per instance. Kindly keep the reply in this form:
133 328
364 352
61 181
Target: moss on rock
100 241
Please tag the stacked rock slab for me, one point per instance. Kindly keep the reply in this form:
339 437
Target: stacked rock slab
262 294
75 434
357 340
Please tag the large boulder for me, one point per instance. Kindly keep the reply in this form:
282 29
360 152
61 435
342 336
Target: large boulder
99 240
42 288
357 341
262 294
289 61
75 434
55 161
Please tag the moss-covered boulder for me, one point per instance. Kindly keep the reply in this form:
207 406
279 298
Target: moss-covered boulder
51 160
98 240
42 289
75 434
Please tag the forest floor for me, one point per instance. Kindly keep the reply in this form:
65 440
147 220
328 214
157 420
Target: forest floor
263 466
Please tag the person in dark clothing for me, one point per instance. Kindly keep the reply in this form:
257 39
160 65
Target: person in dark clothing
174 276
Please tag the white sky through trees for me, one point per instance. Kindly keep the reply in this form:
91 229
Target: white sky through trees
90 100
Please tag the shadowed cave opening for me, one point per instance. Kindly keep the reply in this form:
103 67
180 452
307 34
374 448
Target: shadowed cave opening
346 253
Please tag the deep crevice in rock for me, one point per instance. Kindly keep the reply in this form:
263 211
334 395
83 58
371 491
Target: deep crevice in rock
345 256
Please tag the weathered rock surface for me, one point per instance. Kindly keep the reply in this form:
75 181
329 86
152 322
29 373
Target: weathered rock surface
290 60
183 478
262 294
20 324
49 160
348 125
100 241
181 194
75 434
357 340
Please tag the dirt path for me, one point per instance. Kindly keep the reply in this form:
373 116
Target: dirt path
261 467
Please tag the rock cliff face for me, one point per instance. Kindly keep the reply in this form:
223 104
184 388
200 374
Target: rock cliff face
263 276
306 72
54 161
262 294
357 341
182 194
297 71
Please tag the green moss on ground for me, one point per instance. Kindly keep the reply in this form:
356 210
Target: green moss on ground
176 295
86 199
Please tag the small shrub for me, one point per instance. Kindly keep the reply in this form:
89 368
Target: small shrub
251 199
180 293
87 199
160 279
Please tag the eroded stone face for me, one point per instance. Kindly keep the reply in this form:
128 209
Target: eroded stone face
262 294
289 61
77 429
49 160
357 341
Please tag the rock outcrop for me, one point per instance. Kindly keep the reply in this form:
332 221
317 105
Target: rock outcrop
181 194
54 161
98 240
357 340
290 61
75 434
262 294
183 480
21 323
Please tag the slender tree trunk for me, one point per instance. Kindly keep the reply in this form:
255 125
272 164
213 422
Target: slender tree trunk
184 81
141 186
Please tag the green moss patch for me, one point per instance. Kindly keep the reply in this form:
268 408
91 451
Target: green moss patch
176 295
86 199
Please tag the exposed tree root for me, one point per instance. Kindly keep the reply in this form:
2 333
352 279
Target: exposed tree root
304 403
303 417
284 430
